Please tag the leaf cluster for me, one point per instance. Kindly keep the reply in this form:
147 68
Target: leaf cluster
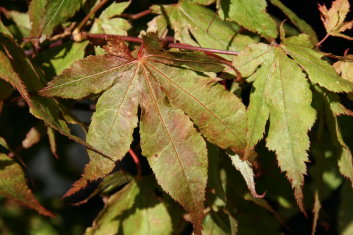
190 121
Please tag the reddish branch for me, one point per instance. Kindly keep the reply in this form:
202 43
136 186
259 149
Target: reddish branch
136 16
136 160
167 40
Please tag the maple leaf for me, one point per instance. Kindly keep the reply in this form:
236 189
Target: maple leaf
13 185
260 21
107 23
169 96
125 212
281 94
333 18
18 70
45 15
199 26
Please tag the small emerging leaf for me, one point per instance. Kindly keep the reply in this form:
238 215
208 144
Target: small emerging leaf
106 23
334 17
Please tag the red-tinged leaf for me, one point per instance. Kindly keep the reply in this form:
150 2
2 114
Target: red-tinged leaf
222 123
170 141
13 185
111 129
155 81
333 18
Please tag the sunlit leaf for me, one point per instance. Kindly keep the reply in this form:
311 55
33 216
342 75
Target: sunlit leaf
164 93
13 185
344 68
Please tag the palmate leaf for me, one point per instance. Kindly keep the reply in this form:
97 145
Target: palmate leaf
169 96
281 93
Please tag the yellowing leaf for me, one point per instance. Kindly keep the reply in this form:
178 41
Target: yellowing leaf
334 17
169 96
13 185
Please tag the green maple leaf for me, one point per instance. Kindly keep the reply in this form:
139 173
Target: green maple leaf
108 23
251 14
45 15
169 96
281 94
133 210
190 20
